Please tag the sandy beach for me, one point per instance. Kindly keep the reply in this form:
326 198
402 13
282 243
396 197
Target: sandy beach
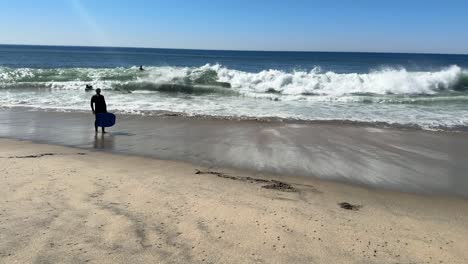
69 205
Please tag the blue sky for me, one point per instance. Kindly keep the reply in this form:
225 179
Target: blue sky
358 25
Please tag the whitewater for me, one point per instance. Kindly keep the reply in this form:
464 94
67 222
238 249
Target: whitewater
201 79
407 90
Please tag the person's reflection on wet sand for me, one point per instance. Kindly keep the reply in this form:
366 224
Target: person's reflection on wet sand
103 141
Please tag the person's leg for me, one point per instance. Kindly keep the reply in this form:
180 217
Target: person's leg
95 126
103 130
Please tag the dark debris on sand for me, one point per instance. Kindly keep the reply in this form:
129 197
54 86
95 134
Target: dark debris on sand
348 206
42 155
282 186
271 184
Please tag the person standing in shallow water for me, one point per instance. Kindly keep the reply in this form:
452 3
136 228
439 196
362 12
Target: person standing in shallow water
98 105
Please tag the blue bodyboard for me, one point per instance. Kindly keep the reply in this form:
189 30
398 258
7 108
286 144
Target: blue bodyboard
105 119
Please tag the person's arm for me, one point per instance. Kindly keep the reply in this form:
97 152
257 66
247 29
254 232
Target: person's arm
92 105
105 105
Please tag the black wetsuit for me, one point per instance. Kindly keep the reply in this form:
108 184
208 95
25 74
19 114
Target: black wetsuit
99 107
99 104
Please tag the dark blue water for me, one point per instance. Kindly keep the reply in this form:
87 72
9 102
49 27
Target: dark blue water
17 56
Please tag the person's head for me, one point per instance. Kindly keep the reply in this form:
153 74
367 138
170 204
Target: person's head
98 91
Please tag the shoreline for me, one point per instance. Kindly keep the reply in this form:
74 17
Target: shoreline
234 173
403 160
263 119
63 204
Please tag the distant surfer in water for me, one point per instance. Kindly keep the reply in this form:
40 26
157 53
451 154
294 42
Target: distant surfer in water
98 105
141 68
88 87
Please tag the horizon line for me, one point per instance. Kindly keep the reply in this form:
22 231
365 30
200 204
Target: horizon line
235 50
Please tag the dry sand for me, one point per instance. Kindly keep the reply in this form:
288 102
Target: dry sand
66 205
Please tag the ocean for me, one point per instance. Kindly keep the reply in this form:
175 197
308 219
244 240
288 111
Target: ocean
427 91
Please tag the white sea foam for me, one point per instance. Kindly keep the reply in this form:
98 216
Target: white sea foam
427 99
388 81
314 82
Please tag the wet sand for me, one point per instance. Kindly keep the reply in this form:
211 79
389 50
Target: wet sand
386 158
70 205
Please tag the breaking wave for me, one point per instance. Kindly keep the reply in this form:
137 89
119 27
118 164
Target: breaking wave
219 79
